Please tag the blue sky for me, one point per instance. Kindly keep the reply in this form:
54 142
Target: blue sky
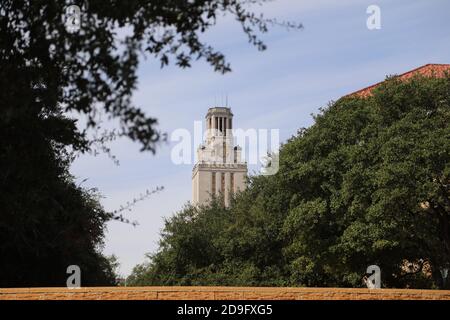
280 88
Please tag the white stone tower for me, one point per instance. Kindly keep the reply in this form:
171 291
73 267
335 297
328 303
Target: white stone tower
219 170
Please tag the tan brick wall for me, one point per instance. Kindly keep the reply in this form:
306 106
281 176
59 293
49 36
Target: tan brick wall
220 293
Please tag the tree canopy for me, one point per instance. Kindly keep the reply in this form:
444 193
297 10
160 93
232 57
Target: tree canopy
94 70
368 183
47 222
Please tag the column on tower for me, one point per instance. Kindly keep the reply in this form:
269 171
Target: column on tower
224 152
222 187
195 189
228 190
218 182
213 183
232 182
224 126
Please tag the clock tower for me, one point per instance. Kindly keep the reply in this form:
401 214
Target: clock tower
219 170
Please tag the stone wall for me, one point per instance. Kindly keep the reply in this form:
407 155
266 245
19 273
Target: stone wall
220 293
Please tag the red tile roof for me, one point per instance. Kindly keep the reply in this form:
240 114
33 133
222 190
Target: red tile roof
428 70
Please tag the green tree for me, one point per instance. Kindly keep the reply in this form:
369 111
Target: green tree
94 70
371 186
368 183
46 221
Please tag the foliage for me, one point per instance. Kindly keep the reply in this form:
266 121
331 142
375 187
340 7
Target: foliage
46 221
93 70
368 183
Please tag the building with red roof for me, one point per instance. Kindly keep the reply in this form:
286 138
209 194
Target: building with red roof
428 70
